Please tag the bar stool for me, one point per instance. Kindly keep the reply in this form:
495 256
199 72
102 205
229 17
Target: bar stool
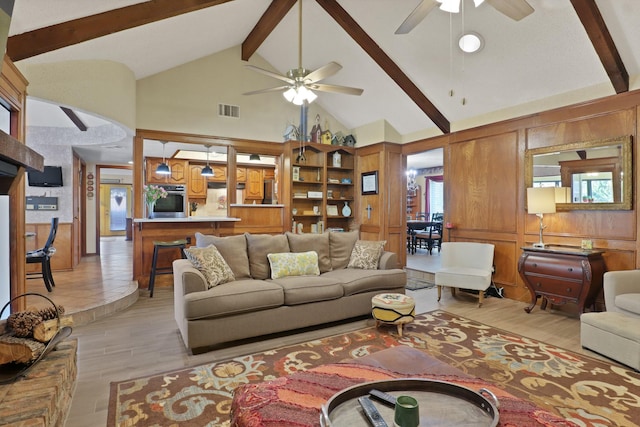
155 270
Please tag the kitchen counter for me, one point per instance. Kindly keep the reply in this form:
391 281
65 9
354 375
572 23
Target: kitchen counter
256 205
188 219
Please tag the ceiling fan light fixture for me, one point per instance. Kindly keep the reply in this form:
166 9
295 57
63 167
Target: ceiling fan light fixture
470 42
289 94
301 94
451 6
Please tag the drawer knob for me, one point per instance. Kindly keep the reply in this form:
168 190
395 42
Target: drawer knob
534 264
568 290
538 284
570 269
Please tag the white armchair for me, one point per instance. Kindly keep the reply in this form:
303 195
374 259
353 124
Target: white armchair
622 292
466 265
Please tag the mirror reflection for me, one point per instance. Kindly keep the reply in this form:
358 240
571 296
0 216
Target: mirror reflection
588 175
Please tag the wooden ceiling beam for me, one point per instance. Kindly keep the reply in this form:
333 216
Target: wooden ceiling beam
42 40
269 20
589 14
385 62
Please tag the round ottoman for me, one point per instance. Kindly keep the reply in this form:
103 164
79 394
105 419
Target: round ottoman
395 309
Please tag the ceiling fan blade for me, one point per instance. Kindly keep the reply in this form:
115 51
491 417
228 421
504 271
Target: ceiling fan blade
323 72
272 89
336 89
416 17
270 73
514 9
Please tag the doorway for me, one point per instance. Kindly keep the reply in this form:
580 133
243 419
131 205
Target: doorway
115 208
425 183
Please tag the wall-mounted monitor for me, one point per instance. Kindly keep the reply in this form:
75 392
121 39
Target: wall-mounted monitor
50 177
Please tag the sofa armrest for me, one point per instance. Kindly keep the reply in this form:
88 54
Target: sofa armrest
619 282
388 261
187 278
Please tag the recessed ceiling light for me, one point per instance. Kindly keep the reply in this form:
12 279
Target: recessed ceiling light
470 42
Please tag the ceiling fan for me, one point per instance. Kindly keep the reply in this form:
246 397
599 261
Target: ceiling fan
514 9
301 82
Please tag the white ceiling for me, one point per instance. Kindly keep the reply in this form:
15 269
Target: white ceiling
543 61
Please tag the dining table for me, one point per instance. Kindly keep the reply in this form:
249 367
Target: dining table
415 226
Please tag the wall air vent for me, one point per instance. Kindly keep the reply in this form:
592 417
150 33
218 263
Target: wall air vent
226 110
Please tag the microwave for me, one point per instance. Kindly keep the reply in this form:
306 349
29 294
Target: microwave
174 205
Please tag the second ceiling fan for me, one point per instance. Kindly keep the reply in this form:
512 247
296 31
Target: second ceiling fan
514 9
301 82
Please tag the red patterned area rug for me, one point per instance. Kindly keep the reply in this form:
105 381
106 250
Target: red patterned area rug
584 390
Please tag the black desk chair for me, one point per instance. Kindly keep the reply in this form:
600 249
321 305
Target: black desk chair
43 256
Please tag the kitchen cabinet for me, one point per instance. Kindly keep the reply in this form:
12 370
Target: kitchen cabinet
219 173
254 189
178 176
241 174
197 185
562 275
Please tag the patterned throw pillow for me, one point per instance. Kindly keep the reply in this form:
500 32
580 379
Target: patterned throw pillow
366 254
294 264
211 264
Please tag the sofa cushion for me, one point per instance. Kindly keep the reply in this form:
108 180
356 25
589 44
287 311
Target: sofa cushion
340 247
258 247
293 264
366 254
629 302
233 249
312 242
231 298
356 281
302 290
211 264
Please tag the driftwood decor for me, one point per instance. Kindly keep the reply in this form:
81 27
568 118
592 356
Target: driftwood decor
29 336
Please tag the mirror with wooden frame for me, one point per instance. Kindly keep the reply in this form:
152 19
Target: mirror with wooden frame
592 175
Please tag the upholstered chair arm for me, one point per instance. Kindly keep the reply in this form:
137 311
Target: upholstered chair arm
388 261
187 278
617 283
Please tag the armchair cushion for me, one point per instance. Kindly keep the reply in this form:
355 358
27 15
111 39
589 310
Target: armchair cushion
629 302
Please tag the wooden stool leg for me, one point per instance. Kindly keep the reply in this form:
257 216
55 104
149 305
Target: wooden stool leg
152 276
400 329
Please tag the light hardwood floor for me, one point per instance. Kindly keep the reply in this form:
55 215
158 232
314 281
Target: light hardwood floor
143 339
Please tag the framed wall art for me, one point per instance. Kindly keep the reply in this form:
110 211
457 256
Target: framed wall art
369 183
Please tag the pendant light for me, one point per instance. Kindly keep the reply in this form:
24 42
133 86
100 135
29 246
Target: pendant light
163 168
207 171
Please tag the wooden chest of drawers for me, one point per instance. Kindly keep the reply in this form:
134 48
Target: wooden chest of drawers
562 275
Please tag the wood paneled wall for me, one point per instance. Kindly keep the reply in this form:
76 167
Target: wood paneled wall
485 188
63 258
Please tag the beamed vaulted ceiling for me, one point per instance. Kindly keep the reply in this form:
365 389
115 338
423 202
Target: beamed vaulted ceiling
567 51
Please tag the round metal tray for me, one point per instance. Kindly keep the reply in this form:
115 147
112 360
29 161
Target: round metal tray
441 404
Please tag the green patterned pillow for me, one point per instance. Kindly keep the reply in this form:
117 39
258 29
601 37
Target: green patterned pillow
211 264
366 254
294 264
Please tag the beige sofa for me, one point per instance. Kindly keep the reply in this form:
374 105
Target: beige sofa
615 333
254 304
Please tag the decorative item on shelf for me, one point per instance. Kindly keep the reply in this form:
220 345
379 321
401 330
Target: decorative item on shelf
318 175
332 210
349 141
326 137
300 228
314 228
291 133
153 193
541 200
316 210
321 227
329 194
316 130
296 173
294 211
346 210
345 181
337 159
338 139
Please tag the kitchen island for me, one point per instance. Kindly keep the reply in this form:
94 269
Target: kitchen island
256 219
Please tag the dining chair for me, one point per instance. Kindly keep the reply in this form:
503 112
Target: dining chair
43 256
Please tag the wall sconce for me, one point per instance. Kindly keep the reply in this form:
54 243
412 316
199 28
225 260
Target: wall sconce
207 171
163 168
541 200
